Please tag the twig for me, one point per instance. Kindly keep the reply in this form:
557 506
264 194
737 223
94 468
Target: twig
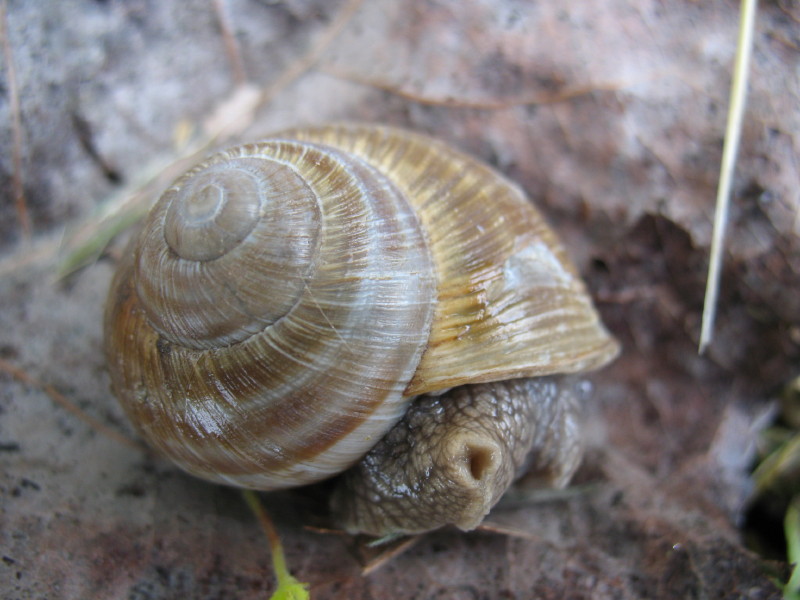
231 45
68 405
732 134
310 58
388 555
785 10
531 99
512 532
16 128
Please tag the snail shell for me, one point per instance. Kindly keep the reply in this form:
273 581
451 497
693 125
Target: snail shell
287 300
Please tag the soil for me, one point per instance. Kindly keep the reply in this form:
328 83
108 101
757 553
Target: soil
610 116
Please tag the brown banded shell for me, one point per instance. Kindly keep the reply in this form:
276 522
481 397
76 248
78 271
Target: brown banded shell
287 299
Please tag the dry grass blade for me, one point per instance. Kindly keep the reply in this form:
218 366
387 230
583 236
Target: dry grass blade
91 240
88 240
792 531
387 554
68 405
16 128
505 530
732 134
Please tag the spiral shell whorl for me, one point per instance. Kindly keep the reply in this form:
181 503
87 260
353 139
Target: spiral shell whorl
227 250
213 212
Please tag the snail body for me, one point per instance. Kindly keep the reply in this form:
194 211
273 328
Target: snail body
470 444
286 301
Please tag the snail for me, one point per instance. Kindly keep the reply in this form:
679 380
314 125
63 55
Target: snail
357 299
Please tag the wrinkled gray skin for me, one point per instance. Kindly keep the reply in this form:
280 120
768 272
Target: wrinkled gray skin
453 456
